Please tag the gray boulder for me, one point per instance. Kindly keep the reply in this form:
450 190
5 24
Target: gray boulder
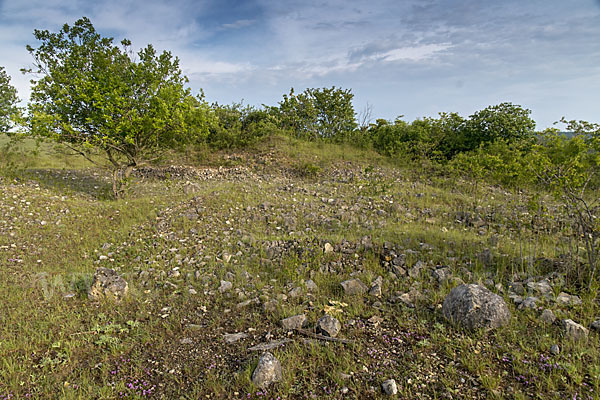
268 371
475 307
107 284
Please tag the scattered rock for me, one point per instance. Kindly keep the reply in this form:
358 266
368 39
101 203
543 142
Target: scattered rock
415 271
328 326
270 346
548 316
529 302
328 248
573 330
354 287
225 286
295 322
517 287
295 292
267 372
475 307
554 350
389 387
234 337
542 287
107 283
565 299
376 287
311 286
441 274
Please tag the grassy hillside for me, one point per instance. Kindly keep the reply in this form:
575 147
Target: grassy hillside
285 223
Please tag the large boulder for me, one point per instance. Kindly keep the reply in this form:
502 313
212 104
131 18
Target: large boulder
107 284
475 307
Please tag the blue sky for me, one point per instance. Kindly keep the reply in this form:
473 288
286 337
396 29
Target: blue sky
413 58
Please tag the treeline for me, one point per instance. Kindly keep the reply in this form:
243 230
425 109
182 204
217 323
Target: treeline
98 98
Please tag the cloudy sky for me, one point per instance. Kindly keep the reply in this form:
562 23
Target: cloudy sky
403 57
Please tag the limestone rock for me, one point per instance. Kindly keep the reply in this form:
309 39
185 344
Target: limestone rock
328 326
225 286
107 283
267 372
389 387
548 316
295 322
354 287
573 330
475 307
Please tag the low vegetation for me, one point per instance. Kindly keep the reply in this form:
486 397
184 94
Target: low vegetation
225 220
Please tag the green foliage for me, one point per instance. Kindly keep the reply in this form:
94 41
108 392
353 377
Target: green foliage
504 121
325 113
500 161
96 97
8 102
235 126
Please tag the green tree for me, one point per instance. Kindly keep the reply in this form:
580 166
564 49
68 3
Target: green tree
98 99
569 167
325 113
505 121
8 102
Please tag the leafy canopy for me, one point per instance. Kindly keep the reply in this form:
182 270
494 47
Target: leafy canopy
97 97
325 113
8 102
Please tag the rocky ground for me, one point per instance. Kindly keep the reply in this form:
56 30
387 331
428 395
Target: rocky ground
268 279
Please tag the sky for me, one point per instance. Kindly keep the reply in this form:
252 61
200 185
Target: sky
414 58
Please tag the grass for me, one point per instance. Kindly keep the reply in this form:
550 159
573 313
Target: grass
261 221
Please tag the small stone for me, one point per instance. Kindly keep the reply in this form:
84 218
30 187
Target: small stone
328 248
398 270
311 286
542 287
415 271
234 337
192 291
565 299
354 287
529 302
573 330
107 283
270 345
554 349
268 371
441 274
375 290
270 305
295 292
517 287
225 286
389 387
328 326
548 316
344 376
295 322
